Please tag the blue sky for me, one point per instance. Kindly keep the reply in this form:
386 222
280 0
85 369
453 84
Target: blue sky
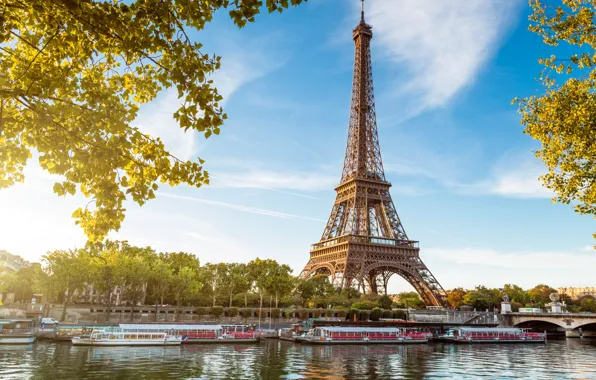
463 173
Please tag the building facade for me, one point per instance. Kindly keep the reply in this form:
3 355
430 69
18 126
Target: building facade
576 293
12 263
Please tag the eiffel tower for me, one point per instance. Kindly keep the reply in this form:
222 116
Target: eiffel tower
364 242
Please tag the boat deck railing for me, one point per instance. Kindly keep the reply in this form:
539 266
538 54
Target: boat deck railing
15 331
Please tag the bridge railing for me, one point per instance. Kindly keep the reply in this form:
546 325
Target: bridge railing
454 316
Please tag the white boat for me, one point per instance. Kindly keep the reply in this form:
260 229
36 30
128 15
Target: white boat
362 335
492 335
16 332
126 338
199 333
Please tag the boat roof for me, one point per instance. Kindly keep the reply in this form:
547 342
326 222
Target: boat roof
168 327
359 329
488 329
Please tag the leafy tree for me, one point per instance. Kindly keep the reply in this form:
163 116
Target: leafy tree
71 271
179 260
516 294
316 286
162 277
106 273
185 286
385 302
410 300
74 75
279 281
137 271
235 280
482 298
21 282
258 271
540 295
562 116
587 304
212 275
455 297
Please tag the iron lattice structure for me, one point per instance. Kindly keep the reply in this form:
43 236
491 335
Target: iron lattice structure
364 242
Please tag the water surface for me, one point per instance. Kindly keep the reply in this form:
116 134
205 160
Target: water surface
564 359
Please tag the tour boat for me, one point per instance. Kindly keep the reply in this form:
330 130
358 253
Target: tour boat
66 333
16 332
200 333
492 335
288 334
126 338
363 335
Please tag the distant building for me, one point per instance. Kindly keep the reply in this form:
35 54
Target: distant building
576 293
12 263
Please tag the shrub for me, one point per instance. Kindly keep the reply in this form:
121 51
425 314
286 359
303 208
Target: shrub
201 310
351 313
275 313
399 314
364 315
340 313
324 313
216 311
232 311
246 313
289 313
376 314
316 313
302 313
388 314
364 305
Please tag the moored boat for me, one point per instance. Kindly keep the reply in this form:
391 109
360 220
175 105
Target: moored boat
16 332
362 335
126 338
288 334
492 335
66 333
200 333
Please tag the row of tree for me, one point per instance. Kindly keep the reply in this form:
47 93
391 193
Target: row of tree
483 298
143 276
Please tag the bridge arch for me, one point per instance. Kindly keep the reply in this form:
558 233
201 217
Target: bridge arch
540 324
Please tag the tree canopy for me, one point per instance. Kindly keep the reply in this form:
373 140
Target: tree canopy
73 74
563 116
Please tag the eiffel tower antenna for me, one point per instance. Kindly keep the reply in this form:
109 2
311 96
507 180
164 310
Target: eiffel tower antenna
364 242
362 13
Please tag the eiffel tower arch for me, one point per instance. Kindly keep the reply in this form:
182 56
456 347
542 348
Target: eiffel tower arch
364 242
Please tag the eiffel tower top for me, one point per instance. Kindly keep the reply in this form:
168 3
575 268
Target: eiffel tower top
363 154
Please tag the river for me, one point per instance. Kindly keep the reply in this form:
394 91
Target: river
273 359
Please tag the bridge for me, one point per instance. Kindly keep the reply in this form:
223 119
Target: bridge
562 322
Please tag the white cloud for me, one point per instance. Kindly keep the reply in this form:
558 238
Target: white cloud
276 180
574 259
442 44
253 210
514 177
472 266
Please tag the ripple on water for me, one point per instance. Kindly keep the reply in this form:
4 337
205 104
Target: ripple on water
272 359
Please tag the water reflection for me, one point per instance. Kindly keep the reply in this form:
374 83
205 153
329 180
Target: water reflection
274 359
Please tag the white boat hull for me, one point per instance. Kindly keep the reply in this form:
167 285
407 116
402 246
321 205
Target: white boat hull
125 342
17 339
